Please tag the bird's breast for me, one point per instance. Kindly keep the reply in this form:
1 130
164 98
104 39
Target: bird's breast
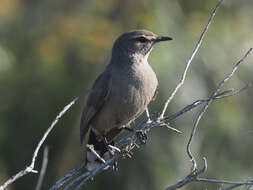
135 86
131 91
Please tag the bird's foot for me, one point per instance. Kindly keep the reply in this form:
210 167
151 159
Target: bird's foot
110 153
127 154
142 136
115 166
112 149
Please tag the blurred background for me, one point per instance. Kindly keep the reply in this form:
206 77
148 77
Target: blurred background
51 52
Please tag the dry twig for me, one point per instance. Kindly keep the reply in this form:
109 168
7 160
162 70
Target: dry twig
30 168
194 166
43 169
194 173
190 60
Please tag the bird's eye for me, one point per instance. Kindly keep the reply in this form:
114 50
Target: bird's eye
142 39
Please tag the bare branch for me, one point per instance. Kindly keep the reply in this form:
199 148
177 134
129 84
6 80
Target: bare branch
171 128
224 182
90 174
131 142
194 166
43 169
247 184
234 92
194 173
193 178
30 168
67 176
190 178
224 94
190 60
196 103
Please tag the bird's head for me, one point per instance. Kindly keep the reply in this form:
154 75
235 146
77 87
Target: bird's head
136 43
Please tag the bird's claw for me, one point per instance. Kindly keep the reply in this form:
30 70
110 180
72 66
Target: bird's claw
115 166
142 136
112 149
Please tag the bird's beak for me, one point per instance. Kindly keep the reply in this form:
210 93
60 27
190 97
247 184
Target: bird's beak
162 38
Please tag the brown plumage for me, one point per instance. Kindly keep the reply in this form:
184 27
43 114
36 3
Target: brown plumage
122 92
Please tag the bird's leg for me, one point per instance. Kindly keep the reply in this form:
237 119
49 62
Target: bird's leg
148 115
110 147
111 151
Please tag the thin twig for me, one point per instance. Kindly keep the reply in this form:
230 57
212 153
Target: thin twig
30 168
190 60
238 184
224 182
207 105
43 169
171 128
188 179
199 102
193 178
236 91
194 172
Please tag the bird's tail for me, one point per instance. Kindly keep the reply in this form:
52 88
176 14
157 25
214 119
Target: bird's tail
95 152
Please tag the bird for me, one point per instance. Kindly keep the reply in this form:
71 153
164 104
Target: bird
120 94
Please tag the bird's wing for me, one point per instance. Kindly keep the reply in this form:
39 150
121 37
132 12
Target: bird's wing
96 99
